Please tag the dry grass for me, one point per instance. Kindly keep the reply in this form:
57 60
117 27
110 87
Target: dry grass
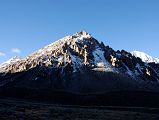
21 110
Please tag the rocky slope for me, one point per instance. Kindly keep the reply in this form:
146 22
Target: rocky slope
80 64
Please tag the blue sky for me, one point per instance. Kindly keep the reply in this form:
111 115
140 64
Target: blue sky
27 25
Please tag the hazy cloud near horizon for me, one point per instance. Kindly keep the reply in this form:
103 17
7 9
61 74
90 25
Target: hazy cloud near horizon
2 54
15 50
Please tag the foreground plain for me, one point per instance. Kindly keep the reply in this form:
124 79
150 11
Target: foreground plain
16 109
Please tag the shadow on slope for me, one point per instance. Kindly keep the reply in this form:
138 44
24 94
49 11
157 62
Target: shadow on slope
81 88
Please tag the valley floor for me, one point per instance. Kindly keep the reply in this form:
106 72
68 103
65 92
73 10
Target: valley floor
13 109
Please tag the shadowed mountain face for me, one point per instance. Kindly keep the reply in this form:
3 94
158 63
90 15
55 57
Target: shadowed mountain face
80 64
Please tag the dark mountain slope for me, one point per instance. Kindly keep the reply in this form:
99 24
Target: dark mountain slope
79 66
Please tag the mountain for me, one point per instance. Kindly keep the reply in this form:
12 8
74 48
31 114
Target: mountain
8 62
145 57
78 64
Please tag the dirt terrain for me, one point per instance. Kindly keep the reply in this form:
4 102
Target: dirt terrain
15 109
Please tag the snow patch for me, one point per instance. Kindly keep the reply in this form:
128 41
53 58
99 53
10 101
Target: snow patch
77 62
129 72
99 60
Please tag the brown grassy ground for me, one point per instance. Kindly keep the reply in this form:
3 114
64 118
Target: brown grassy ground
11 109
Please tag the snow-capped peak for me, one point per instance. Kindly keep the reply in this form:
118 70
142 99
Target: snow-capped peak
58 51
145 57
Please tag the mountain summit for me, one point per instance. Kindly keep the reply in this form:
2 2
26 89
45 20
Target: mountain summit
80 64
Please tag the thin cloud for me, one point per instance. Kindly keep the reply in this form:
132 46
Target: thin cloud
2 54
16 50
